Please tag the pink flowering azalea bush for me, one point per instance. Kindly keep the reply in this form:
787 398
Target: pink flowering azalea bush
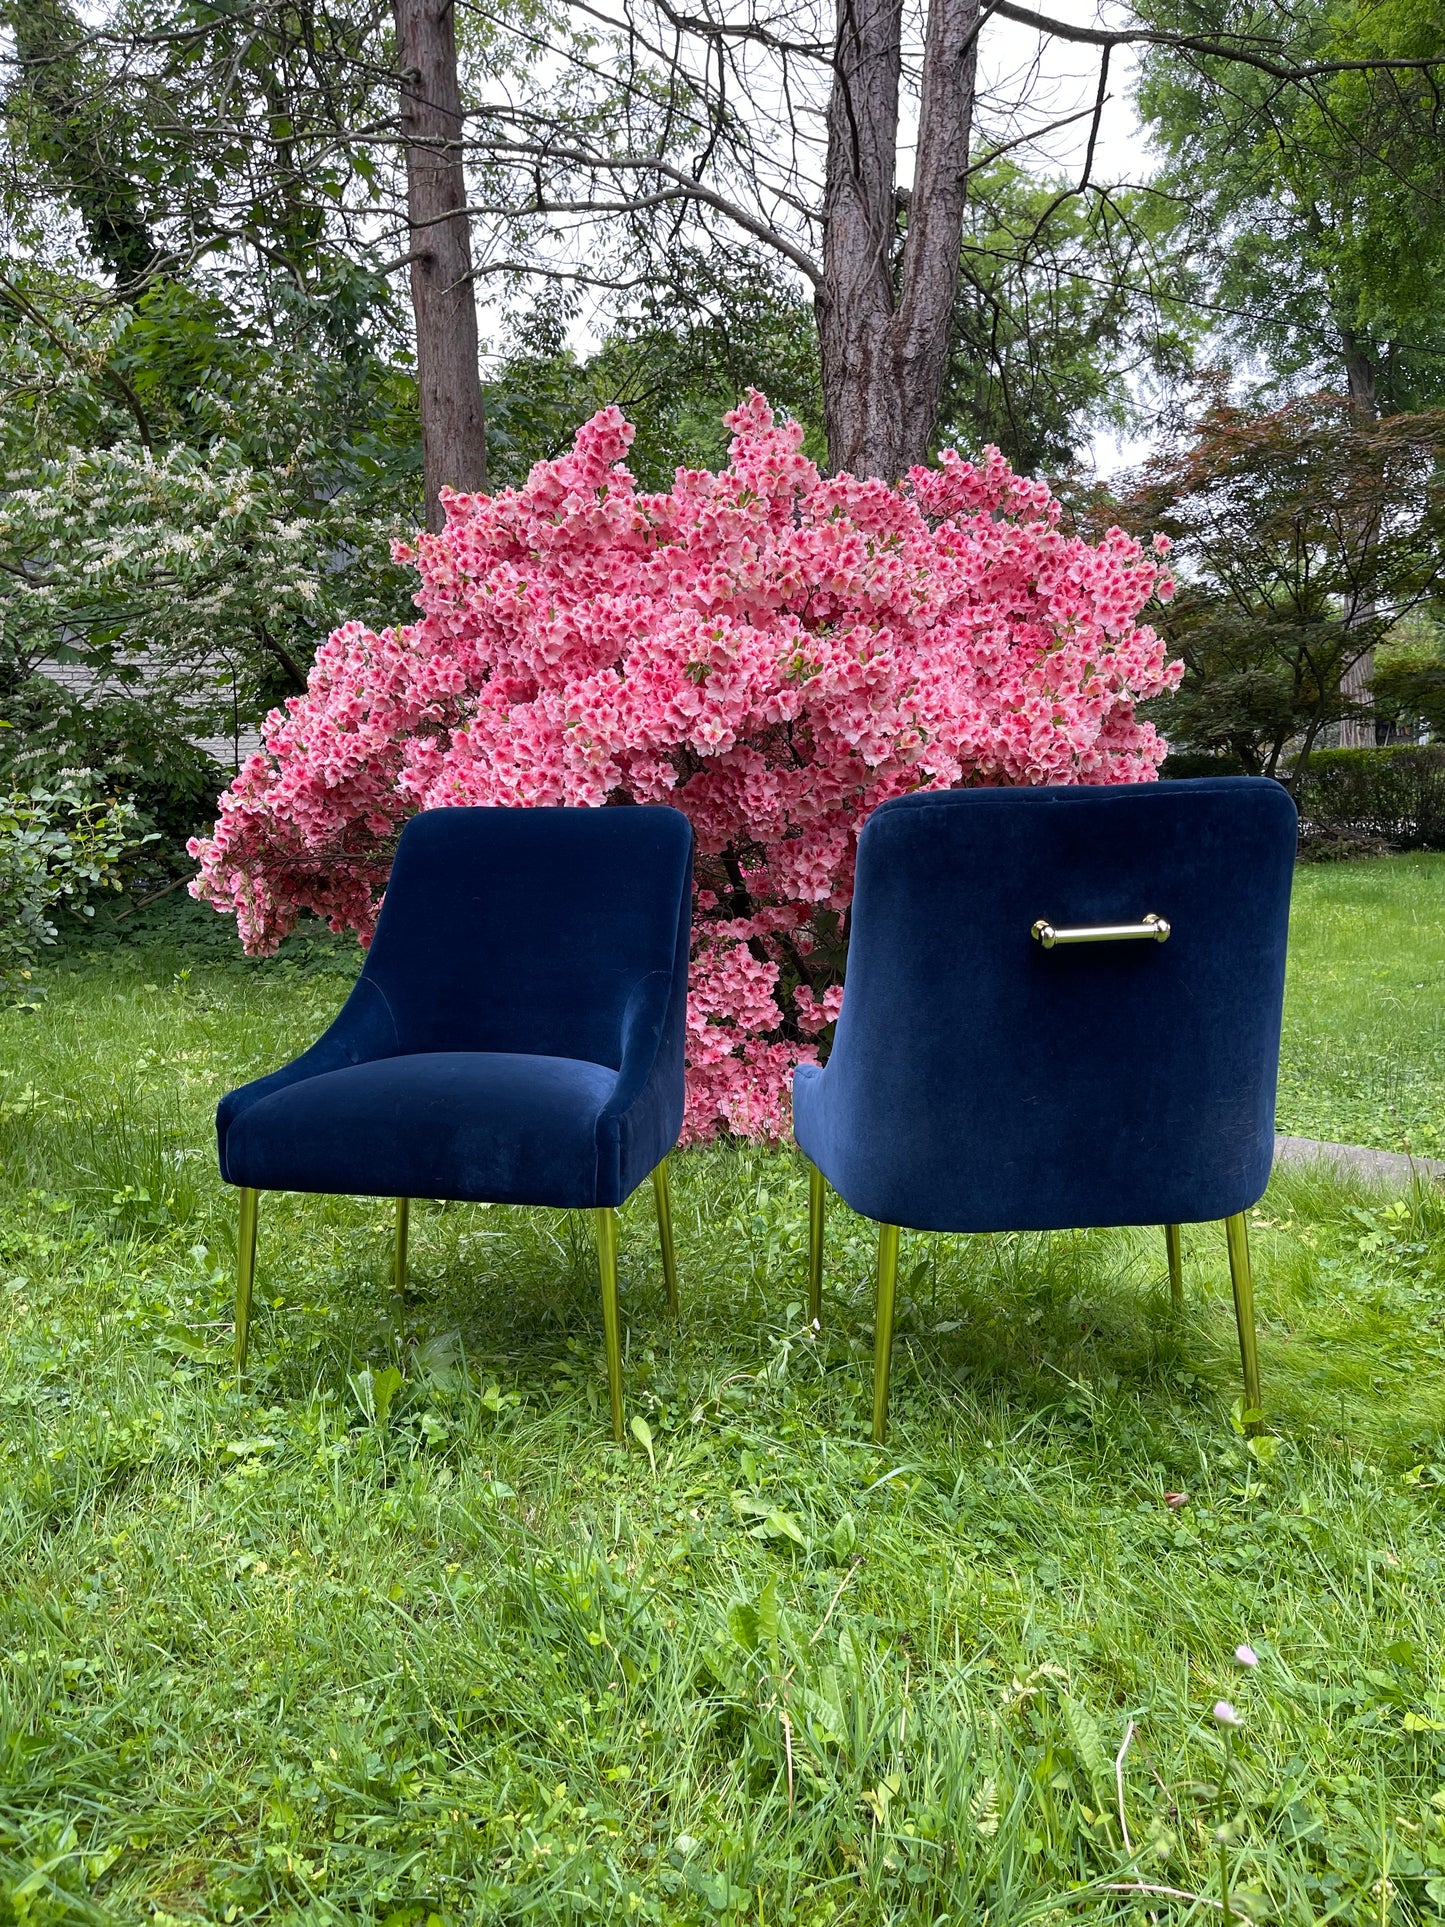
771 650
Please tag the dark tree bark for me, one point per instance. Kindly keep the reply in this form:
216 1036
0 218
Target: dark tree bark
854 301
1358 731
453 425
884 310
1360 374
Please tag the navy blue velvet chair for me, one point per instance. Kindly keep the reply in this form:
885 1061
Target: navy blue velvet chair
1062 1009
515 1036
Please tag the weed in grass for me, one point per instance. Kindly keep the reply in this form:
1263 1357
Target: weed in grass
393 1631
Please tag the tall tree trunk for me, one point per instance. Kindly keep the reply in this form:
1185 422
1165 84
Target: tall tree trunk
923 325
1360 374
854 303
884 316
453 425
1358 732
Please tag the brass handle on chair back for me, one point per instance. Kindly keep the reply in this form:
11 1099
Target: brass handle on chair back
1150 929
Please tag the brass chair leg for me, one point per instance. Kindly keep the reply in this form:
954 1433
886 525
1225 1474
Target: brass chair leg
245 1272
398 1261
662 1194
1236 1232
605 1221
883 1326
817 1208
1176 1263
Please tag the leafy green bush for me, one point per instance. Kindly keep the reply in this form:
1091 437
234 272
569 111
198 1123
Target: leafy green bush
133 746
1394 795
57 845
1182 764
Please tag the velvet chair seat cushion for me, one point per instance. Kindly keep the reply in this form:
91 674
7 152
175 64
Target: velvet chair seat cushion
491 1126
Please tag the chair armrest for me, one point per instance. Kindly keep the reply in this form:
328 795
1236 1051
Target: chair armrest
644 1026
642 1118
361 1031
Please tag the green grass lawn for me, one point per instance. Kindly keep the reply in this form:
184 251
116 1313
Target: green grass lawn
325 1650
1364 1054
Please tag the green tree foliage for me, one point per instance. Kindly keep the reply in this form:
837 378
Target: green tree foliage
1301 533
86 148
208 427
1317 211
1056 323
1408 686
673 365
130 745
186 134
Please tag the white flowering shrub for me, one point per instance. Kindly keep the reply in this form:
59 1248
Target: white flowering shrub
188 506
186 572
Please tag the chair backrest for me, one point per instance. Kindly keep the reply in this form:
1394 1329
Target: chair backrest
528 929
1009 1086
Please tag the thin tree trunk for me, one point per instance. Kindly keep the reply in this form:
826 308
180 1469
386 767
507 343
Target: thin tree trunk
453 426
1360 374
1358 732
931 255
861 406
883 316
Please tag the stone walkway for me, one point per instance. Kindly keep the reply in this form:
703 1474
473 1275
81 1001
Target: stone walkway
1386 1167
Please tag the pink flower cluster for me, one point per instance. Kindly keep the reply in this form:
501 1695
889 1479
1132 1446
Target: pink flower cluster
771 650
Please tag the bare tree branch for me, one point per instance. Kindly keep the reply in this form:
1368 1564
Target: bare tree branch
1246 52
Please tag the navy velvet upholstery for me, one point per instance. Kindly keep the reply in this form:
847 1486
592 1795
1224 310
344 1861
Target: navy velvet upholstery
516 1034
979 1082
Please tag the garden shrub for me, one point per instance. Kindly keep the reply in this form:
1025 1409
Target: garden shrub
133 746
773 651
1364 799
1183 765
57 845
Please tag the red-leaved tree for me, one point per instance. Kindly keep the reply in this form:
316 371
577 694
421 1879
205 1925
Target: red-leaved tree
770 650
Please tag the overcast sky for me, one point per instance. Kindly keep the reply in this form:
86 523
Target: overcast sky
1061 80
